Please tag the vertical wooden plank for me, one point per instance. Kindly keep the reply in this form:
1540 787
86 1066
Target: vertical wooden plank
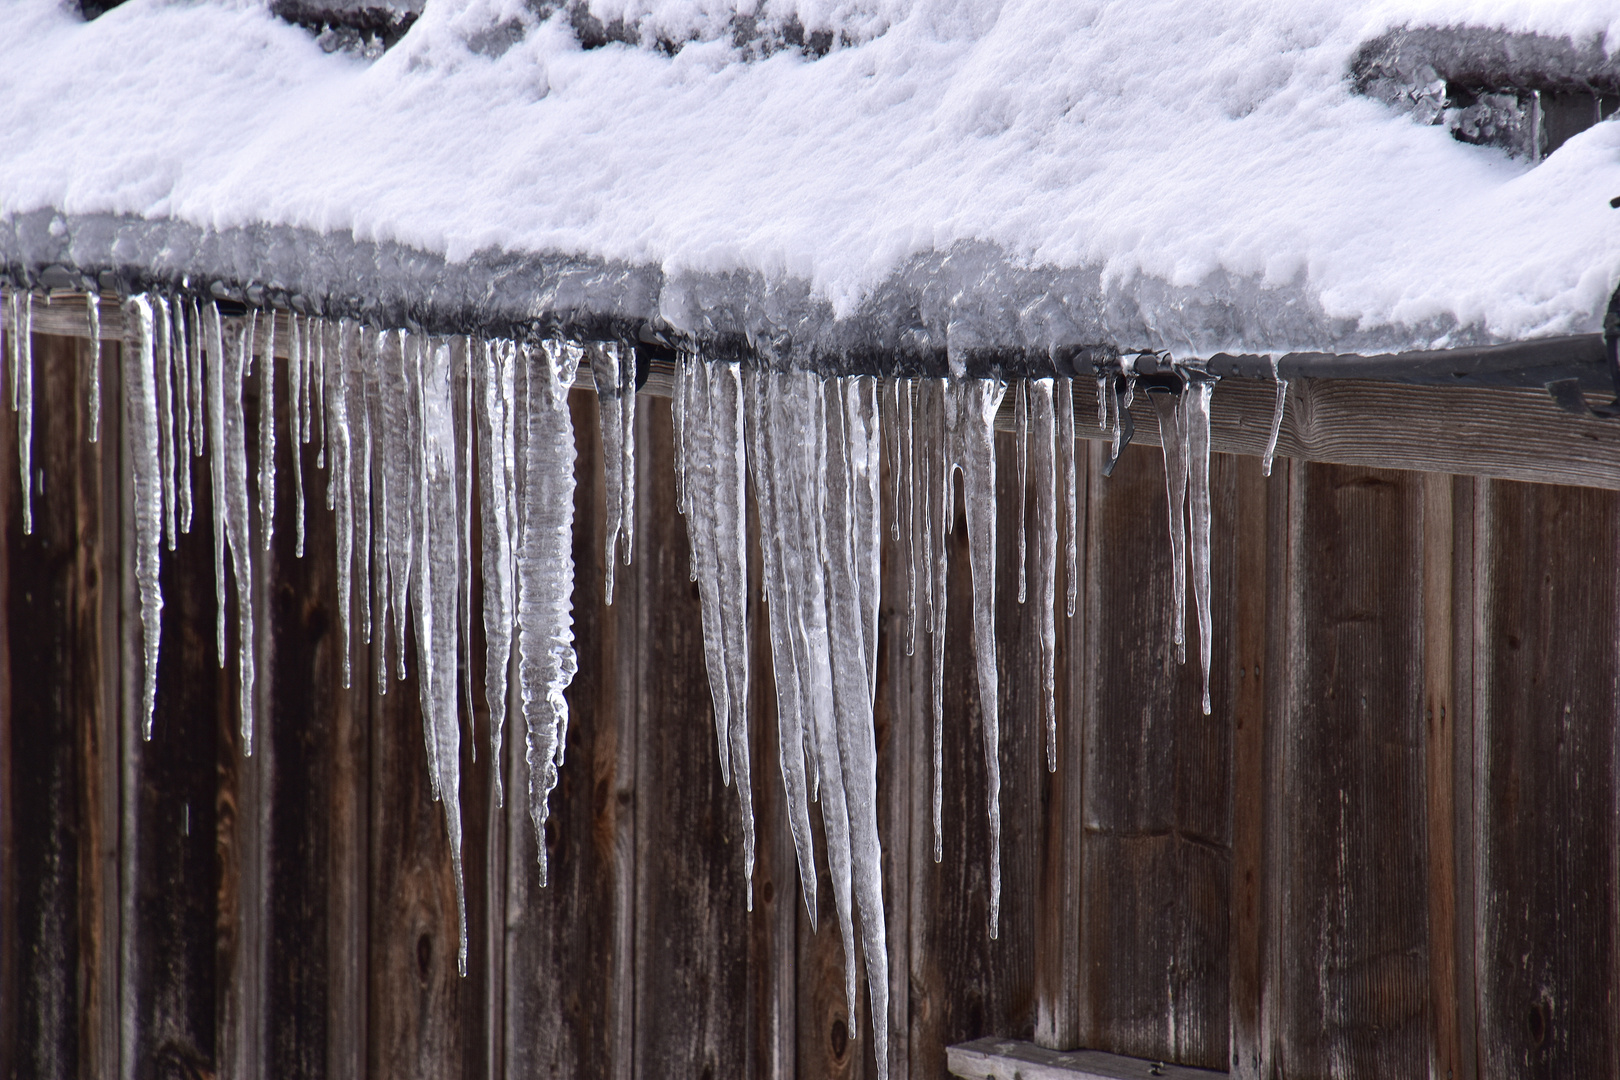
964 983
1352 995
57 961
1465 607
1253 540
691 931
773 927
1059 912
1439 716
566 974
1157 845
1549 958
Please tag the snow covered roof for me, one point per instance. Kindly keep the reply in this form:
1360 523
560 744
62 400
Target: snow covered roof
919 178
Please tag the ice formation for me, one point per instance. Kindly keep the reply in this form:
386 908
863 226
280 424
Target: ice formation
418 432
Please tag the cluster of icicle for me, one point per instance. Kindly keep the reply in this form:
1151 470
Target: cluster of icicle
410 427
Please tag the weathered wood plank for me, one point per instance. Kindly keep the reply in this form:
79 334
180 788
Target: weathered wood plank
1439 754
568 988
691 926
964 983
1347 797
1252 546
1546 821
1157 840
58 990
1004 1059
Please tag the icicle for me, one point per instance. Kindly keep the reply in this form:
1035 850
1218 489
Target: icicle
1196 429
215 336
936 456
437 591
1043 423
377 477
339 497
92 306
1276 418
678 412
297 405
610 396
22 402
495 452
401 476
141 424
267 430
464 492
1021 437
180 355
891 430
1172 436
764 463
195 344
238 529
545 573
1103 398
853 532
360 360
1071 518
865 468
974 414
159 339
627 420
905 464
728 550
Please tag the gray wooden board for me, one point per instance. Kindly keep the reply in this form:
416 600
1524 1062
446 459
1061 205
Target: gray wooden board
1006 1059
1545 783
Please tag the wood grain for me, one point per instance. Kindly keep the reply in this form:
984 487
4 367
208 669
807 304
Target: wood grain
1547 837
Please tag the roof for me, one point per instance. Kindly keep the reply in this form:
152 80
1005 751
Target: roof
916 180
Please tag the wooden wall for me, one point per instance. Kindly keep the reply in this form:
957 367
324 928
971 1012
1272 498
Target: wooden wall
1393 850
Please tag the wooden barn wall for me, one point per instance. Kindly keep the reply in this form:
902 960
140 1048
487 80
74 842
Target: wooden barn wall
1391 851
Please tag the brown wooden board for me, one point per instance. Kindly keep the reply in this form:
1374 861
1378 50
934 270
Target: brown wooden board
1346 797
1157 837
55 723
691 928
1547 828
566 971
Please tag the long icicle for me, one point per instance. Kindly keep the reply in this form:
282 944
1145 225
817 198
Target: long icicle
267 431
22 402
160 339
1064 404
495 489
180 357
1196 429
238 355
728 547
545 572
297 404
92 306
940 478
1021 437
1172 437
141 425
215 337
1043 438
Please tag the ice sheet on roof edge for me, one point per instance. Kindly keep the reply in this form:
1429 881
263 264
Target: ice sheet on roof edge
972 303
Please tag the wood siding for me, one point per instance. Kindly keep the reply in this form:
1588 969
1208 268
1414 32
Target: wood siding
1393 850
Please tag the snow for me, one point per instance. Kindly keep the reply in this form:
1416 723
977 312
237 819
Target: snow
1204 164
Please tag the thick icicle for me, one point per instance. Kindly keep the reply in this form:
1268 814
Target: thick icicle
160 338
360 361
1021 437
22 402
141 424
267 430
198 339
935 453
339 496
764 464
610 399
1043 437
296 404
906 471
545 573
92 305
1276 419
400 476
728 548
1172 436
238 530
974 416
215 344
464 493
180 355
1064 404
495 452
377 498
437 583
1196 430
852 535
862 446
